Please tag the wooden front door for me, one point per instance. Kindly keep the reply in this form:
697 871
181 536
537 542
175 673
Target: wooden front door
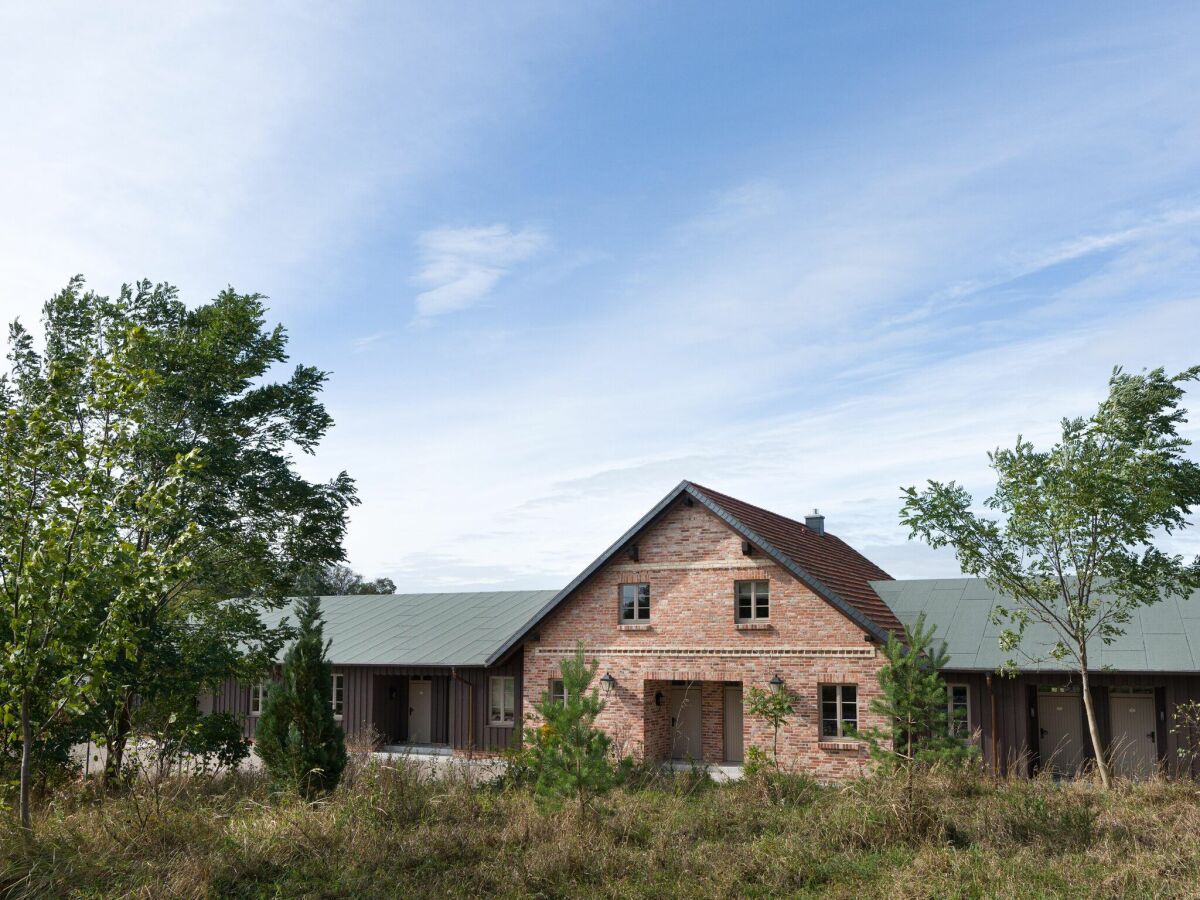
733 724
1060 732
1134 746
420 711
685 722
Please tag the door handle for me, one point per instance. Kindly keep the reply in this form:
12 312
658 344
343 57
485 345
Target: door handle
411 710
672 721
1042 732
1150 735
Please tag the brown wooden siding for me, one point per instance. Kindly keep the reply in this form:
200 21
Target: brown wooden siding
459 702
1015 745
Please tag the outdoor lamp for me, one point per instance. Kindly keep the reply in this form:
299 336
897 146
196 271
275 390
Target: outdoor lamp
776 684
609 682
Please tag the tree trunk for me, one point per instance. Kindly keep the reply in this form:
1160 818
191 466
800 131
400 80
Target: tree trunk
115 742
26 762
1094 728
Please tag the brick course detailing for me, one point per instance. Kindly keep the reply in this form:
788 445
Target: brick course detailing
691 559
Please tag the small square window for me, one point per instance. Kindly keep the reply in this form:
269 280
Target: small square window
753 600
339 694
635 603
839 710
503 701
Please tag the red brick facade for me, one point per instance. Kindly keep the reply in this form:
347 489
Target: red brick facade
691 559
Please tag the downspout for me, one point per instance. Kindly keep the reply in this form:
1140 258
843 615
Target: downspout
992 698
470 710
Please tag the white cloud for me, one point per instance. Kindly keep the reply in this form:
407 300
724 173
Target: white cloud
461 266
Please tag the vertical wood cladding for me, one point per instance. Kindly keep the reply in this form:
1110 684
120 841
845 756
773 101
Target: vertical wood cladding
377 697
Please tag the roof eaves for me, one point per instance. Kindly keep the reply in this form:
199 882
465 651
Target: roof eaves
589 571
813 583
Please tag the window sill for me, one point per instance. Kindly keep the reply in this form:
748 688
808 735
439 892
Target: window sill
640 626
502 724
753 626
838 745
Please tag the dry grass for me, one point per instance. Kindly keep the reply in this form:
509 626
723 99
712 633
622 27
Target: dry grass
391 831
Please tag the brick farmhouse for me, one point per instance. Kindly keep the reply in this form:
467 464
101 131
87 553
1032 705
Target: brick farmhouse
705 597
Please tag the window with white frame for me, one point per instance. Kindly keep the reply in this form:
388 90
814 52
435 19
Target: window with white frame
339 694
503 700
558 692
753 601
635 603
958 710
258 695
839 710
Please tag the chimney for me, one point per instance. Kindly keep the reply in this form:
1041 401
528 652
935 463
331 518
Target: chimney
816 522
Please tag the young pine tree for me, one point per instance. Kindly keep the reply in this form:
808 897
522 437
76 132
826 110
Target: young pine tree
916 733
298 739
569 755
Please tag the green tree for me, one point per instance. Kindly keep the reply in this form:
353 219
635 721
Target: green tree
298 739
913 706
75 503
258 524
338 579
1073 547
570 756
776 707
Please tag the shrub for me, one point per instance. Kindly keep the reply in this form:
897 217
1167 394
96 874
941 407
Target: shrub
298 739
566 754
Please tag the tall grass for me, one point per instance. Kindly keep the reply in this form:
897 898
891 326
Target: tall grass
391 829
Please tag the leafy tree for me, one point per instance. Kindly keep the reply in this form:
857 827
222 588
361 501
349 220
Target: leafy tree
774 706
258 525
913 706
298 739
1073 548
338 579
569 754
75 506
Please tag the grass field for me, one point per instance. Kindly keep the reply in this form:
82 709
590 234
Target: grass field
390 831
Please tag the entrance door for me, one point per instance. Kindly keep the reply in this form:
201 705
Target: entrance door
733 723
685 722
1060 738
1134 735
419 711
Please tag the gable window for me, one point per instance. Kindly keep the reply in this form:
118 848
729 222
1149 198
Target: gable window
502 692
339 694
753 601
958 710
558 692
635 603
839 710
258 694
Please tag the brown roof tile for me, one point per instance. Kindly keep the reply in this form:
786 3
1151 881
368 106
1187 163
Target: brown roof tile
825 557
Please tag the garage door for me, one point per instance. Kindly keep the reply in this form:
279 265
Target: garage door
1060 732
1134 745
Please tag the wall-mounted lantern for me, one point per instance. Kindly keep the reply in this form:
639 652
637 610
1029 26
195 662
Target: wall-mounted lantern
608 682
776 684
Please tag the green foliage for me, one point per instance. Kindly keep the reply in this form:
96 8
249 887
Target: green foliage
203 390
913 705
338 579
298 739
1185 725
1073 544
775 707
567 755
77 575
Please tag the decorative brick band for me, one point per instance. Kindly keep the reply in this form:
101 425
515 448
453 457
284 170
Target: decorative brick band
704 565
810 652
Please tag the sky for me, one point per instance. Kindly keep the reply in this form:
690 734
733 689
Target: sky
558 257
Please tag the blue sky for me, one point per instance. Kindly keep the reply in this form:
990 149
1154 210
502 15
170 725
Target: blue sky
560 256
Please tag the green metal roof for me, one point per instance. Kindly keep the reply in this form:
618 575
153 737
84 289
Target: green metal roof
1164 637
460 629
